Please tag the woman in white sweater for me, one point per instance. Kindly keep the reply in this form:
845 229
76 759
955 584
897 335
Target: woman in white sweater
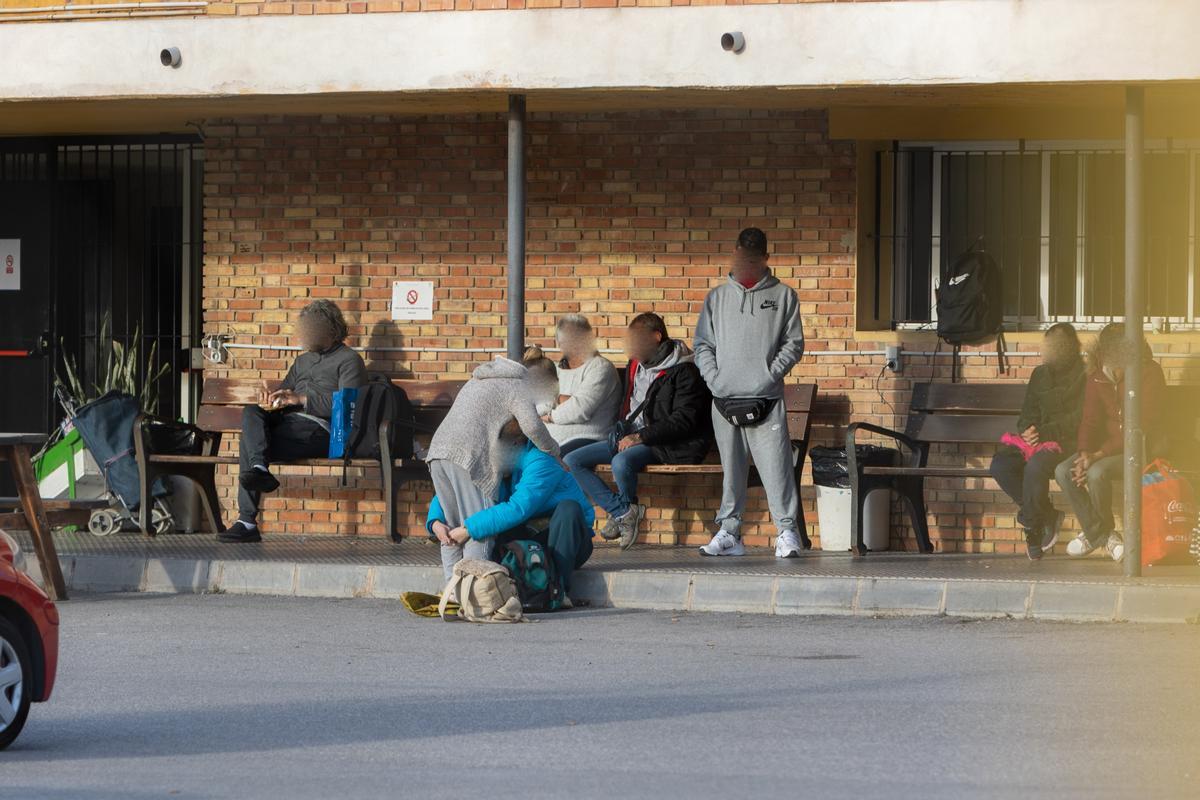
588 385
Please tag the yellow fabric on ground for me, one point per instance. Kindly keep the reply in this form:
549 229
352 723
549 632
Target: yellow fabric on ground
425 605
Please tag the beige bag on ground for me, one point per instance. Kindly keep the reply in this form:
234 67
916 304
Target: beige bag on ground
485 593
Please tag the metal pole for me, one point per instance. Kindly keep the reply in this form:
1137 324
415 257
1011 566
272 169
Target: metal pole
1135 312
516 226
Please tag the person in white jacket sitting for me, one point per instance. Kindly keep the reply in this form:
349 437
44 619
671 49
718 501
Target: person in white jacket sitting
589 388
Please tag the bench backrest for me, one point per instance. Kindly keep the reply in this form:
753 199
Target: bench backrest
222 399
953 413
982 413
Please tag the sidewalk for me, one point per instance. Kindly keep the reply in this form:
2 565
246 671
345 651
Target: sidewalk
665 578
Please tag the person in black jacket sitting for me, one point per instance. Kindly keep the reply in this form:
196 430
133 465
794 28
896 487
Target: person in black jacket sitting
1047 434
664 419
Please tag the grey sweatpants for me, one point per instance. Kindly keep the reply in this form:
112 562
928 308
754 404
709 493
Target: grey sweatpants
460 498
768 443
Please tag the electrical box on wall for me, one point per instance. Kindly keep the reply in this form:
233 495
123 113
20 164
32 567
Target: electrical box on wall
894 359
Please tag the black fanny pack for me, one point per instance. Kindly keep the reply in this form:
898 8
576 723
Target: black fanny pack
744 412
623 427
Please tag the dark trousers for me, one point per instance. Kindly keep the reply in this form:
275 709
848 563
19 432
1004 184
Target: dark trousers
568 539
1028 484
275 436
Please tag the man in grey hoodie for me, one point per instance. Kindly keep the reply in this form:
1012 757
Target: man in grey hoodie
748 339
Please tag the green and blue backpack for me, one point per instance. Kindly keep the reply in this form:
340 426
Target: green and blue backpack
535 574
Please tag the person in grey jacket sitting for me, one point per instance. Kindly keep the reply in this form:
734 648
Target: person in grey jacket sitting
468 458
293 421
748 338
589 388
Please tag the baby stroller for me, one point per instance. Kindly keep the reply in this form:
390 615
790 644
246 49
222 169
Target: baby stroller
106 427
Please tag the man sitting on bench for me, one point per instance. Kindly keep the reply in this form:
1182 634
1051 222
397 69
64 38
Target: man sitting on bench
1087 477
664 419
293 421
533 486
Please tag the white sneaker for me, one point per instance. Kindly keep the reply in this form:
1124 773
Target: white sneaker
724 544
1081 545
787 545
1115 547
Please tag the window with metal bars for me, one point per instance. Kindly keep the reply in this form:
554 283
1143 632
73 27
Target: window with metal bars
117 254
1051 215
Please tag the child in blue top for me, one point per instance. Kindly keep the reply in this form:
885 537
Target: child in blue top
535 486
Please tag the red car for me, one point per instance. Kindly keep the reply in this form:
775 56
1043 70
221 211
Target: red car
28 643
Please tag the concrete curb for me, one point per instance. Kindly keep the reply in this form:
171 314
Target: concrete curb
662 590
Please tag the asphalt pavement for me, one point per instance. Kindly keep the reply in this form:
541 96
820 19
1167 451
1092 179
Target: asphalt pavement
198 696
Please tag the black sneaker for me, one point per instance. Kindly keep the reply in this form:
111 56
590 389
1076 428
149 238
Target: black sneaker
1050 532
1033 545
240 533
258 480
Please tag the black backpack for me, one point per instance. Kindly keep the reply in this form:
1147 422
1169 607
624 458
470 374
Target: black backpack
970 304
378 400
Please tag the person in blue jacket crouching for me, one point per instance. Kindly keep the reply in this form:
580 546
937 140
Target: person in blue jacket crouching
534 485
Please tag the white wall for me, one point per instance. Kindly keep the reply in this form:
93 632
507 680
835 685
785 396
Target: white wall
941 42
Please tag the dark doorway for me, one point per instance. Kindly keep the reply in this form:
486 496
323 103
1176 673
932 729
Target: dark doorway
111 249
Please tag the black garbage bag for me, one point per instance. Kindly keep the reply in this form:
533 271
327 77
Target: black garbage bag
172 438
831 464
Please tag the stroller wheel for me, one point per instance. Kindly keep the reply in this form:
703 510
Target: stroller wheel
102 523
160 518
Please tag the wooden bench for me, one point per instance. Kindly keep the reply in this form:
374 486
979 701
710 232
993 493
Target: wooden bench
798 402
220 414
957 413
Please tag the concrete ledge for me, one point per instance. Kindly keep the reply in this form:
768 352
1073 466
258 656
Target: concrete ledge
390 582
987 599
749 593
1079 602
669 590
101 574
899 596
253 577
175 576
816 595
1159 603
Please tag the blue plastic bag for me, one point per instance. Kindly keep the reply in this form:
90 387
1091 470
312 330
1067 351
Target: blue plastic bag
341 421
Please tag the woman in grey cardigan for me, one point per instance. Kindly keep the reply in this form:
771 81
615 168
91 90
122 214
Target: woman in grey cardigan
588 385
468 458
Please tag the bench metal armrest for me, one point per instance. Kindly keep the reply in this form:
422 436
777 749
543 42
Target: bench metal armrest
386 460
918 451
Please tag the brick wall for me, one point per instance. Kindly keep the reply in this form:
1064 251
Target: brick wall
254 7
627 212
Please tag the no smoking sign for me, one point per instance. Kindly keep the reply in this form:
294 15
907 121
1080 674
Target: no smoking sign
412 300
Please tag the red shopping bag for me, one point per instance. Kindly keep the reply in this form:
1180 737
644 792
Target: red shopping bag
1168 515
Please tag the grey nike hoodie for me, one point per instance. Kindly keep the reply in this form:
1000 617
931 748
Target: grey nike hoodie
748 340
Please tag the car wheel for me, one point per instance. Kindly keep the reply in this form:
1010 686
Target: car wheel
16 682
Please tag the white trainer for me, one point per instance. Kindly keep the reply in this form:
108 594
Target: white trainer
1081 545
1115 547
787 545
724 543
